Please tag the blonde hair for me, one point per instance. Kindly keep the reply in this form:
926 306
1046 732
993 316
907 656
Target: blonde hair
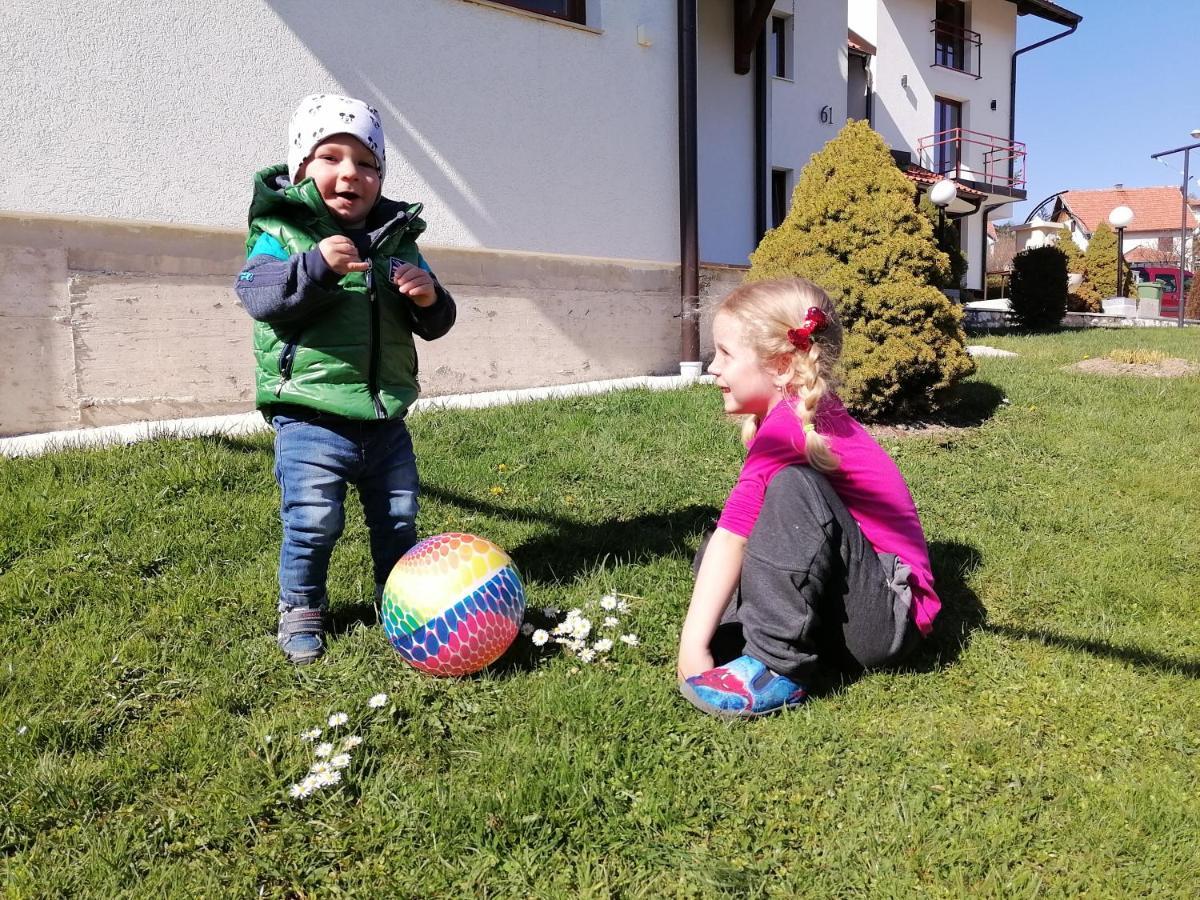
766 311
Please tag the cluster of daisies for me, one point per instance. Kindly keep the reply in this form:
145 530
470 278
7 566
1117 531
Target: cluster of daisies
330 757
575 630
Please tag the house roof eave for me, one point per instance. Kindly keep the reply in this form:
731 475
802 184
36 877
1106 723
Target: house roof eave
1048 10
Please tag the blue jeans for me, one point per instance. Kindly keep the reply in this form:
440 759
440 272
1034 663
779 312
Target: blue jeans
315 458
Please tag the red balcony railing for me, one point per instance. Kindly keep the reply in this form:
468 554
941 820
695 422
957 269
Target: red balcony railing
958 48
974 156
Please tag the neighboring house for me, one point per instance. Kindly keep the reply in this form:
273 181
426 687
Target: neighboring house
572 188
938 83
1152 236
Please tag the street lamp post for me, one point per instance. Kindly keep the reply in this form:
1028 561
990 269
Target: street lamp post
942 195
1186 151
1119 219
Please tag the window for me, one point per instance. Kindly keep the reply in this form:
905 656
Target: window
947 122
1167 281
779 195
949 34
571 10
780 57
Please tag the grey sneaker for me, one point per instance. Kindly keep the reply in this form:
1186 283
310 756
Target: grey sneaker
302 634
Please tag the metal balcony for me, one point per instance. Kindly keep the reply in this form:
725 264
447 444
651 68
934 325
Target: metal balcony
993 164
957 48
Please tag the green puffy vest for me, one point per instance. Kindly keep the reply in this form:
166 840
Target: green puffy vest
356 358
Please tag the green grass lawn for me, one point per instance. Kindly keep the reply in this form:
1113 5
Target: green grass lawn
1046 743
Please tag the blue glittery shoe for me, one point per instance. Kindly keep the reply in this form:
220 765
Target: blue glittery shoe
741 689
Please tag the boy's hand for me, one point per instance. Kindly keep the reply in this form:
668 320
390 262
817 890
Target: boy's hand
415 282
341 255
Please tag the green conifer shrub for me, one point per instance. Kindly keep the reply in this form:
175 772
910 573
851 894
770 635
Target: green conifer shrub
957 278
1191 309
1100 266
855 229
1038 288
1082 299
1070 250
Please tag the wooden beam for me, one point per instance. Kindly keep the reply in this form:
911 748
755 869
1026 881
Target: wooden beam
749 17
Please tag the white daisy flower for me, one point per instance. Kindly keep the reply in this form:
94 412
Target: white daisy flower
351 742
587 655
610 622
318 767
583 627
267 738
527 629
340 761
550 612
301 789
602 646
311 735
608 601
622 606
540 637
630 639
323 750
338 718
325 779
378 701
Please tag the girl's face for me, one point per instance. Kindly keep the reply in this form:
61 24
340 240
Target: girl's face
748 385
346 176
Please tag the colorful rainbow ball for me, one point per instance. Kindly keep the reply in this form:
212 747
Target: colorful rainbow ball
453 604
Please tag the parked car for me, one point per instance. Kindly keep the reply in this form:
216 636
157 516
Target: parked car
1168 276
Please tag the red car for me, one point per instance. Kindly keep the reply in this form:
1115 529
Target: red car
1168 276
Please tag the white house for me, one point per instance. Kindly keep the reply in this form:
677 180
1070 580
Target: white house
1152 235
580 161
938 83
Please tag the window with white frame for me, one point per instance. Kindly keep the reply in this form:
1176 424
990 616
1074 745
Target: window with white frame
779 50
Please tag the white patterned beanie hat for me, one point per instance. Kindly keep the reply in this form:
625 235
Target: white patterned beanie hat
320 116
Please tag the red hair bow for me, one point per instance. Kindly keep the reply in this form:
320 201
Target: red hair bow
814 320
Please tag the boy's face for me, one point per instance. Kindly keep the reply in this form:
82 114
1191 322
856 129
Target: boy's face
346 176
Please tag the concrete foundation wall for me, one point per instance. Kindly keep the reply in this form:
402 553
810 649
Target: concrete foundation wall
105 322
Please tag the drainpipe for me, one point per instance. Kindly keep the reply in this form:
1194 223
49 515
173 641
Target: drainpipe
689 230
987 211
1012 86
761 220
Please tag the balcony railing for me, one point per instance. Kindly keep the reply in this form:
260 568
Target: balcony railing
958 48
973 156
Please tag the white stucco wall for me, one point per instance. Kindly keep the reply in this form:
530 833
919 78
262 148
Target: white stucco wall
516 132
725 155
819 73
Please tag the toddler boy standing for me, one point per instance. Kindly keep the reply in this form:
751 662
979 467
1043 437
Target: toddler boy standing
337 289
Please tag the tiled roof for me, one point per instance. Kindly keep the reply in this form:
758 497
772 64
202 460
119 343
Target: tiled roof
856 41
1151 255
923 176
1154 208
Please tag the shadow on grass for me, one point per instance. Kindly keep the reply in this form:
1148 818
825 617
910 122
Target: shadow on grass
574 548
1145 659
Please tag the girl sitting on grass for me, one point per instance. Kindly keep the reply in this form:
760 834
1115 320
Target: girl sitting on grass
818 558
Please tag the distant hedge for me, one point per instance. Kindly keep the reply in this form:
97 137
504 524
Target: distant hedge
1038 288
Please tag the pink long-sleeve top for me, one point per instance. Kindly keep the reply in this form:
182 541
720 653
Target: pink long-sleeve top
867 481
